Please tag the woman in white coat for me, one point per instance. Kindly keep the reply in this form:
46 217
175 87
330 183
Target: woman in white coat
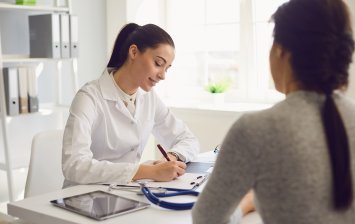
111 118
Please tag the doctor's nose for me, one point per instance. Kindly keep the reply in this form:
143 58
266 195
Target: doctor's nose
161 75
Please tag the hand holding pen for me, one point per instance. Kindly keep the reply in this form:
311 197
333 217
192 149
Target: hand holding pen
170 169
163 152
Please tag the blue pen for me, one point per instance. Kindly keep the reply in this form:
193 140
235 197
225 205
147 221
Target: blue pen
217 148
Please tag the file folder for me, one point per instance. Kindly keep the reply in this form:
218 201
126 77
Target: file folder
64 36
33 104
23 93
11 90
74 39
44 36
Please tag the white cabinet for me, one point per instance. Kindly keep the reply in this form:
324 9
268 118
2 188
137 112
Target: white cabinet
17 131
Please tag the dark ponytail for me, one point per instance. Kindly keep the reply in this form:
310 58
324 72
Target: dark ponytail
338 148
318 35
147 36
120 50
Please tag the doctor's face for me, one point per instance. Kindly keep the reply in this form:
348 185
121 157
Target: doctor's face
151 65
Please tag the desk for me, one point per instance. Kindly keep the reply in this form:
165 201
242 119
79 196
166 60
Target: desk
38 210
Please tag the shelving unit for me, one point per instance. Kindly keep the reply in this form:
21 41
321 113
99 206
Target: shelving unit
7 162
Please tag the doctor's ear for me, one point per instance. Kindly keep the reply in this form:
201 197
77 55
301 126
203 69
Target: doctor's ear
280 50
133 51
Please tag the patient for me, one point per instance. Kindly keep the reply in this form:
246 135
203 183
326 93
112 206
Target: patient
298 157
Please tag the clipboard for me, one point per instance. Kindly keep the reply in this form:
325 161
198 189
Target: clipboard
199 167
188 181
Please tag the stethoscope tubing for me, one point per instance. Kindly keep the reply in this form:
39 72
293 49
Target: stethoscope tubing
154 198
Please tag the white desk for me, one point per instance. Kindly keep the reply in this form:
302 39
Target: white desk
38 210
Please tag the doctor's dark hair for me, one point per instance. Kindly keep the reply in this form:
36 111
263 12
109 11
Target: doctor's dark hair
318 35
147 36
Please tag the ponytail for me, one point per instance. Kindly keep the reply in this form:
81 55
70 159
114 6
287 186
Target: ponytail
338 148
120 49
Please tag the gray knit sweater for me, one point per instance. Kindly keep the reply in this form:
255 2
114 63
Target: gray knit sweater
281 154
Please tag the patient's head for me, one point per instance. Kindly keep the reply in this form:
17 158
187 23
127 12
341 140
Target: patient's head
317 35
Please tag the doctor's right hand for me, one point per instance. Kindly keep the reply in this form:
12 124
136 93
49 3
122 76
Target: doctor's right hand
163 171
167 171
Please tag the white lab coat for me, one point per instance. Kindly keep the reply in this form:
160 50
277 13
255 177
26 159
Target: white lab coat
103 141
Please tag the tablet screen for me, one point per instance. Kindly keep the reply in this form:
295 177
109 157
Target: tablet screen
99 205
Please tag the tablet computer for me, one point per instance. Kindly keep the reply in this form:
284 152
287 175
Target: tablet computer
99 205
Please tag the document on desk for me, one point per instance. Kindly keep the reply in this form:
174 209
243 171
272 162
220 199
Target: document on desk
188 181
199 167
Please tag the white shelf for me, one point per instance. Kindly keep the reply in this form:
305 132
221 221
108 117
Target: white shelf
44 110
26 59
5 6
18 161
16 150
48 117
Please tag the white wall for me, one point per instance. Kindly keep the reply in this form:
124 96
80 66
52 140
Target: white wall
92 38
351 90
116 17
209 126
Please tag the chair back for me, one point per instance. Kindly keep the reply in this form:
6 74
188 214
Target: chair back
45 169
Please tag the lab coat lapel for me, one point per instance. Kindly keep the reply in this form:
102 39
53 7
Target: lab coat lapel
109 92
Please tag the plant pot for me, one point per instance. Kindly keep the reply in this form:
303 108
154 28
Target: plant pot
218 98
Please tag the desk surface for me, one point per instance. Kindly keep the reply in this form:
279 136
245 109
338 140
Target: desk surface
39 210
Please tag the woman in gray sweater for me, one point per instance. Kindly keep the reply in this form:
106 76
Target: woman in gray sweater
299 156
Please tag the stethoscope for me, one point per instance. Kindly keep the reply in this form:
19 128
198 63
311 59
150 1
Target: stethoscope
168 192
159 192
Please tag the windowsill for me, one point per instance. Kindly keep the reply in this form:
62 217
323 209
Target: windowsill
225 107
232 100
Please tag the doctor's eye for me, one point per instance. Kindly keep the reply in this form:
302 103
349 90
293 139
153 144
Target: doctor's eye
158 64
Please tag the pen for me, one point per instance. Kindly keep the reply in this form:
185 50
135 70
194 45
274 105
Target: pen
163 152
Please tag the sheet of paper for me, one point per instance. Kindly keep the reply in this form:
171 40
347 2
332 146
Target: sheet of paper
187 181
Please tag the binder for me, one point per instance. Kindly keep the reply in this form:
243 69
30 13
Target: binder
11 90
23 93
33 104
44 36
74 39
64 36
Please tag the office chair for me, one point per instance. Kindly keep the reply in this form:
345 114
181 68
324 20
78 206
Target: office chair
45 170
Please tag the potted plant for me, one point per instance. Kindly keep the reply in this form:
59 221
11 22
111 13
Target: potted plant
218 90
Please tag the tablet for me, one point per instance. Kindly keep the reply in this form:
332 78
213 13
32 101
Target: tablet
99 205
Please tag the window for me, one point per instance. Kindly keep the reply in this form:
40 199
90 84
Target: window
221 40
215 40
262 11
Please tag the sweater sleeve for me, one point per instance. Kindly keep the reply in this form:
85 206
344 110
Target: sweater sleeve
233 176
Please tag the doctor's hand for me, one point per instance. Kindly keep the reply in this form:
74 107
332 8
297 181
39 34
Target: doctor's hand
163 160
162 171
167 171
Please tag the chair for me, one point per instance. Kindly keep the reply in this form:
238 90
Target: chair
45 169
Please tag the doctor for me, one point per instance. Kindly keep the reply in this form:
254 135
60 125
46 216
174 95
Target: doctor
111 118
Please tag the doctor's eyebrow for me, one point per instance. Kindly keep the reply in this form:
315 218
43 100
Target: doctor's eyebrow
162 58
